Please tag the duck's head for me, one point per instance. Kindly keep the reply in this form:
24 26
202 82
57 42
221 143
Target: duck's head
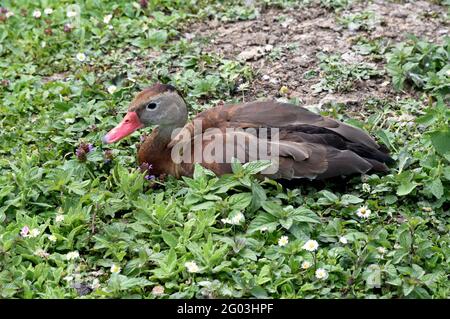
160 104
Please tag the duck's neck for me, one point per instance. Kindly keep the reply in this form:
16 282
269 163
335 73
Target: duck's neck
154 151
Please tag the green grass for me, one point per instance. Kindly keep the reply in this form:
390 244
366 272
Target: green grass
97 228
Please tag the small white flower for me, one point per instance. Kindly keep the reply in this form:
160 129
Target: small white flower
111 89
41 253
311 245
343 240
71 13
37 14
81 57
448 72
363 212
9 14
306 264
52 238
95 284
43 44
381 250
321 274
34 232
191 266
283 241
72 255
59 218
366 188
68 278
236 219
115 269
48 11
158 290
397 246
107 18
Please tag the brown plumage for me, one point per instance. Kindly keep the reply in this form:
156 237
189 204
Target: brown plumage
310 146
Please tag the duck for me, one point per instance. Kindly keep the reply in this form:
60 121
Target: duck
305 145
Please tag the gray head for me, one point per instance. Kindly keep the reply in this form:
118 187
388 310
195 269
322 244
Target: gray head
160 104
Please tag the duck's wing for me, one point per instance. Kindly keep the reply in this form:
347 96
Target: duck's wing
281 115
290 159
272 114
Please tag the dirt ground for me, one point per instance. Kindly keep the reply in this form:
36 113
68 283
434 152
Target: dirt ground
298 35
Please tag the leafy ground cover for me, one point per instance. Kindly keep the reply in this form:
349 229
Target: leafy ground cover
78 219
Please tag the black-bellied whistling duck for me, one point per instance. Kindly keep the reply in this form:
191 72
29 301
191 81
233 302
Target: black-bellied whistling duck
309 145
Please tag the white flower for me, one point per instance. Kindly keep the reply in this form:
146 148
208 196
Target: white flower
68 278
52 238
397 246
37 14
283 241
311 245
111 89
43 44
59 218
306 264
343 240
236 219
34 232
48 11
72 255
381 250
71 13
9 14
41 253
107 18
448 72
321 274
81 57
95 284
115 269
158 290
366 187
191 266
363 212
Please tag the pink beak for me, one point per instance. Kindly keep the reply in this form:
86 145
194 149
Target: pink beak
129 124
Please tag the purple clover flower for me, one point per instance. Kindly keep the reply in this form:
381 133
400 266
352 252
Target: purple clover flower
144 4
149 177
24 231
82 150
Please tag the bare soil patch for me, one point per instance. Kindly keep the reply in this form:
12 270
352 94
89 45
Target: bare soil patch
282 45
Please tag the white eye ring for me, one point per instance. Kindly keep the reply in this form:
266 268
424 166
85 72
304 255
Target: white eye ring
151 106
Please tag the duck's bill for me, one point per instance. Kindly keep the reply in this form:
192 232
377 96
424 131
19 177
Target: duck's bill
129 124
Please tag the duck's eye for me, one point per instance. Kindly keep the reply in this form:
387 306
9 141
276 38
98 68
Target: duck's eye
151 106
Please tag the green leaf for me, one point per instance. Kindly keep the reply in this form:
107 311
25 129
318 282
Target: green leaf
406 187
436 188
441 141
256 166
350 199
169 239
